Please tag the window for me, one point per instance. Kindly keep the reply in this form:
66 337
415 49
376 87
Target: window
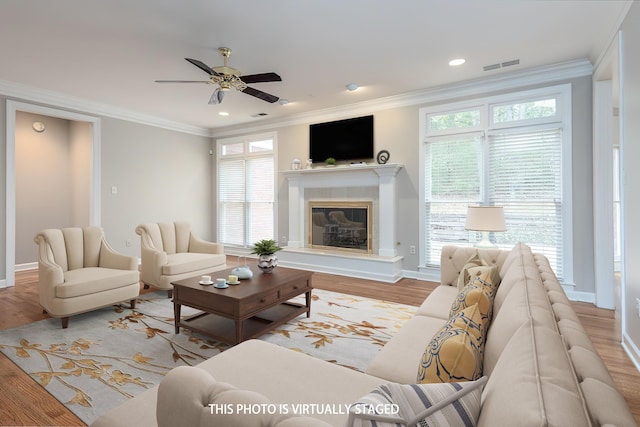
502 151
246 189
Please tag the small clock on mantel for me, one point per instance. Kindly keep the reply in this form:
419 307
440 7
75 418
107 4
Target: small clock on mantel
38 127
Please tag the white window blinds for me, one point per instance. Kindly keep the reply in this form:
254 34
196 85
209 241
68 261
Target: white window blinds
246 193
453 178
525 178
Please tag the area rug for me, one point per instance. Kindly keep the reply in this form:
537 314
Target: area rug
108 356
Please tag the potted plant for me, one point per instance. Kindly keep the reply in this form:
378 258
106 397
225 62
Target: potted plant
266 250
330 161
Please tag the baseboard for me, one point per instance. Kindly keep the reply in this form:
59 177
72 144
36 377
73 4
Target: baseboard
579 296
3 283
632 350
26 266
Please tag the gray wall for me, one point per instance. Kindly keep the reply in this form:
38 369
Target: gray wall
161 176
45 177
397 130
630 153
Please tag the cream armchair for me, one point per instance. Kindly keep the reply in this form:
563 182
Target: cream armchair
171 252
78 271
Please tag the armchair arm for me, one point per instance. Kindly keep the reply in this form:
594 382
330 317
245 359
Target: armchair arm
109 258
50 274
204 247
152 262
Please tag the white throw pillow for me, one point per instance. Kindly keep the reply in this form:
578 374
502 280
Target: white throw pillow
435 404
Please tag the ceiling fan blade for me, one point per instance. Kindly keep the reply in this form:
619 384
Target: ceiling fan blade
261 78
204 67
216 97
260 94
183 81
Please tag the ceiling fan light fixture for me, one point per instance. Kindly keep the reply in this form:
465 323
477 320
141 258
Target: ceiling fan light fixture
351 87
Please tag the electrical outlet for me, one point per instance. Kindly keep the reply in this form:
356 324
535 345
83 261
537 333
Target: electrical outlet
114 190
283 240
127 243
412 250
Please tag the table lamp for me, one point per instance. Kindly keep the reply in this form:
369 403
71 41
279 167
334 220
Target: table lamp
485 219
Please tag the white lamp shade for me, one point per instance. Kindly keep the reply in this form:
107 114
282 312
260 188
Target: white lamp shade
485 218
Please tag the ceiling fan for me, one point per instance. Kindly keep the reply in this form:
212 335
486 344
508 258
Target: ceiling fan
228 78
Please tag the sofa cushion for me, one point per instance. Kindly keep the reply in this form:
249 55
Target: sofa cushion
399 358
190 396
606 406
439 302
455 352
442 404
179 263
91 280
533 383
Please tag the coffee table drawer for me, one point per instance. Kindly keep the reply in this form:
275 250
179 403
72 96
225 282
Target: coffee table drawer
294 289
258 302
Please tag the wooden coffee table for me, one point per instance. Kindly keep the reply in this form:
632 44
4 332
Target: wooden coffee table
244 311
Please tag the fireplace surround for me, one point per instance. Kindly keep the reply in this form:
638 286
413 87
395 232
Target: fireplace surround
375 184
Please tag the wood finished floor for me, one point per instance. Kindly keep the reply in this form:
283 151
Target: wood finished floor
24 403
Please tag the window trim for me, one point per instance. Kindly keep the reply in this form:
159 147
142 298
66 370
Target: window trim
563 94
246 140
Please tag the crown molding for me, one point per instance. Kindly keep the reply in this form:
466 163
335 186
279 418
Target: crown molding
46 97
476 87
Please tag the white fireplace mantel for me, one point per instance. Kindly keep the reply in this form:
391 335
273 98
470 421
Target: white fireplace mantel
381 176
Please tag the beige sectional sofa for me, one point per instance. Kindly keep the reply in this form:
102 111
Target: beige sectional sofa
542 367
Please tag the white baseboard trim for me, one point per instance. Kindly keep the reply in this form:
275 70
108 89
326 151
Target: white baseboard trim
3 283
632 350
27 266
579 296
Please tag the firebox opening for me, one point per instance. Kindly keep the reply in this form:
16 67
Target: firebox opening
341 225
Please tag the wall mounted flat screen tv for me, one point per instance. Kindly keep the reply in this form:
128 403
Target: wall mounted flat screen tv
350 139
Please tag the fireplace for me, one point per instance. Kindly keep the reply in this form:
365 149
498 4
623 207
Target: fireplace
370 187
340 225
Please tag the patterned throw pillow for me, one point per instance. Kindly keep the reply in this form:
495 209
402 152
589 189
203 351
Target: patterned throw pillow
455 351
479 291
464 277
447 404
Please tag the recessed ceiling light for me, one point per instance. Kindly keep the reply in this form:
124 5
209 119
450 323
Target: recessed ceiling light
352 86
223 113
456 62
283 101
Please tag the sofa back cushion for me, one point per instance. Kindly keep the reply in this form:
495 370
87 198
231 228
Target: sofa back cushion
533 383
75 247
454 258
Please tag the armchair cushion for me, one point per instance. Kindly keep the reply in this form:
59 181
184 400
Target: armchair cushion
91 280
180 263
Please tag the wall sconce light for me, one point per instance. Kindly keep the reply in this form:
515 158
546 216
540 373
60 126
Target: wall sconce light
38 127
485 219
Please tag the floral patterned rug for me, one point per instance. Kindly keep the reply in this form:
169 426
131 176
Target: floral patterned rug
110 355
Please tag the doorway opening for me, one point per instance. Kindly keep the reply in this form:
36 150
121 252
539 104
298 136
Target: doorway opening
86 168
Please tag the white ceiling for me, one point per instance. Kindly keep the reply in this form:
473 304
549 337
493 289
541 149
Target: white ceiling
110 52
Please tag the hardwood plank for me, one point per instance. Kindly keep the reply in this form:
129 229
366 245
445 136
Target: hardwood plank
24 402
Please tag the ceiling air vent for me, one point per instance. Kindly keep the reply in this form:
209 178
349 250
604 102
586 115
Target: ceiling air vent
502 65
491 67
